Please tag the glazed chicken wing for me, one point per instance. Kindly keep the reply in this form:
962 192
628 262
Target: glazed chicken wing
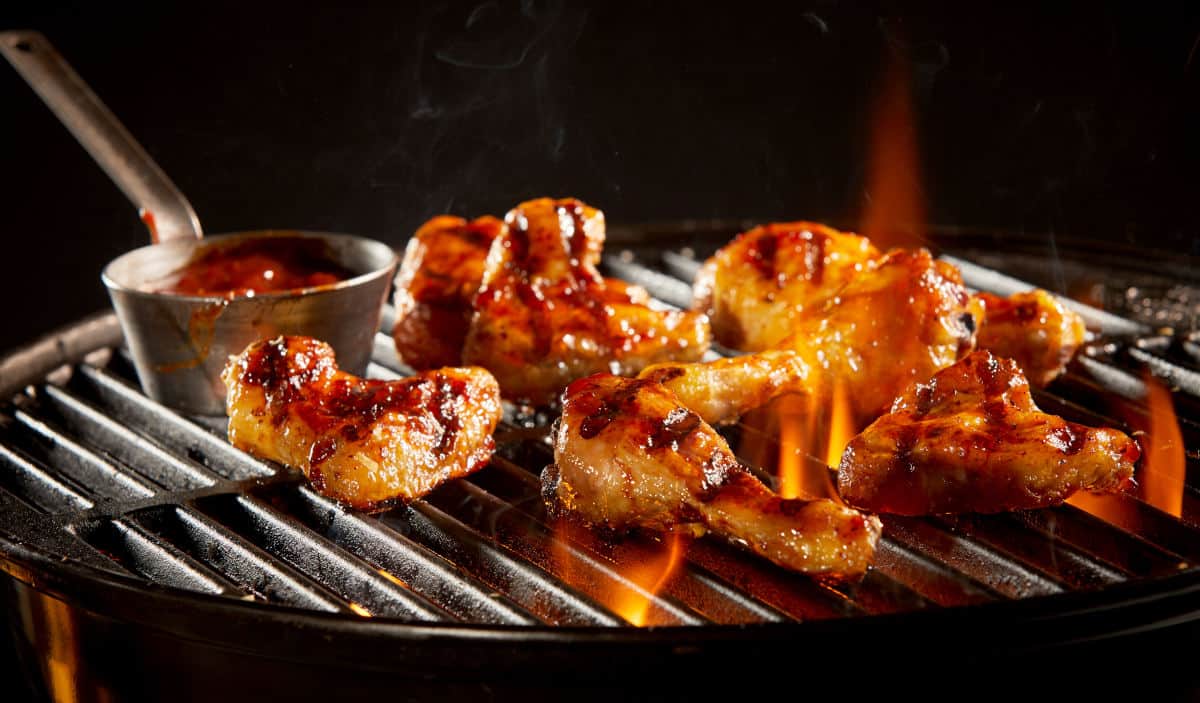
440 274
544 316
628 454
972 440
357 440
723 390
903 319
1034 329
756 286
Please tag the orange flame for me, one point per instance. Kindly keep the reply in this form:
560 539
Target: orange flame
1164 465
813 432
651 577
643 569
894 213
841 425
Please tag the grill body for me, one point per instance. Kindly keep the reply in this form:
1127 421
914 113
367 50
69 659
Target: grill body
148 559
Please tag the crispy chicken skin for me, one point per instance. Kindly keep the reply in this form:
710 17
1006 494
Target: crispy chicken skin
440 274
754 287
1034 329
900 321
972 440
628 454
357 440
544 316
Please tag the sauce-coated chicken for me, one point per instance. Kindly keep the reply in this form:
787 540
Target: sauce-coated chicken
755 287
723 390
972 440
440 274
357 440
900 321
544 316
1034 329
628 454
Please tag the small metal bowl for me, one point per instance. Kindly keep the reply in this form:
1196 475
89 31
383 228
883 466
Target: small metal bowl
180 343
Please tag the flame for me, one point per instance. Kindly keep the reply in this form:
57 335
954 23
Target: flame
651 577
894 212
638 571
359 608
1164 464
1163 467
841 425
795 414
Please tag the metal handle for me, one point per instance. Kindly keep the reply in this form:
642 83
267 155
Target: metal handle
160 204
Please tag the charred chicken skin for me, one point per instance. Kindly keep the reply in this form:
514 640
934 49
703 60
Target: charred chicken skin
972 440
359 441
440 274
629 455
1034 329
755 287
544 316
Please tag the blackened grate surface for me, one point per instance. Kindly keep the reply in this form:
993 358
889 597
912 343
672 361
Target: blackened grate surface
93 472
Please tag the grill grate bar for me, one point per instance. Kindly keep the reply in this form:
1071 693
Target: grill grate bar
157 561
362 586
934 580
170 429
398 557
122 443
41 489
1087 533
999 573
527 584
567 561
1052 559
80 464
242 562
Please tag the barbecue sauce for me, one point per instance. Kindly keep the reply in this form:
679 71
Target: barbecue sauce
256 266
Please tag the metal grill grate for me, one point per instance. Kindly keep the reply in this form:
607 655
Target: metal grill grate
94 472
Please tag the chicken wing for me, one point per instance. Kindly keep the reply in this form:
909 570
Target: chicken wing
972 440
440 274
723 390
755 287
628 454
1034 329
544 316
357 440
900 321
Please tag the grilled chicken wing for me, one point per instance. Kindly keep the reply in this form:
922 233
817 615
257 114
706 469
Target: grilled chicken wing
972 440
441 271
755 287
723 390
359 441
628 454
544 316
1034 329
900 321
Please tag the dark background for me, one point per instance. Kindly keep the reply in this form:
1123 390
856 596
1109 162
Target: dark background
1072 120
1076 120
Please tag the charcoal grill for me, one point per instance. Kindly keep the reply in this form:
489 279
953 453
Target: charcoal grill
148 558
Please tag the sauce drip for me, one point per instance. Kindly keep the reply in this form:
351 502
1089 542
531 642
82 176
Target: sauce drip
258 265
